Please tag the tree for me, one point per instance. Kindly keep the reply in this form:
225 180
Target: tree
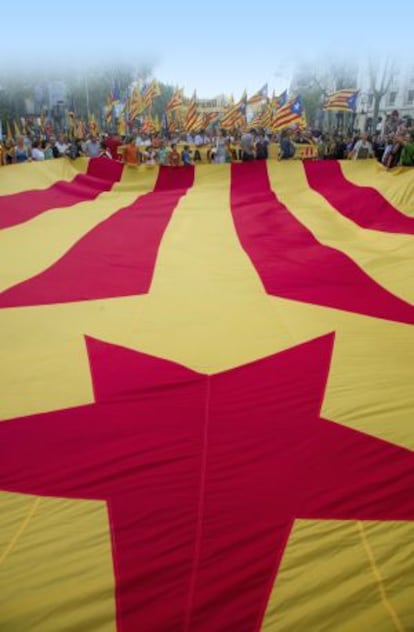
315 79
380 82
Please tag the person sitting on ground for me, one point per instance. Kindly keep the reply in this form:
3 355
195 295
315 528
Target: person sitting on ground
174 156
363 149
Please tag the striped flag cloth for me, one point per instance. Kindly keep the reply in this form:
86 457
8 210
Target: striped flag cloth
342 101
236 115
191 117
259 96
151 92
288 114
206 397
175 102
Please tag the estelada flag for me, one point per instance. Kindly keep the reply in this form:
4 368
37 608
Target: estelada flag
259 96
288 114
206 397
342 100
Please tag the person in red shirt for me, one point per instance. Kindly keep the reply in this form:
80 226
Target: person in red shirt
113 143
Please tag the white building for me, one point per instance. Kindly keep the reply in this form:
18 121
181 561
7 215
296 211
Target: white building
400 96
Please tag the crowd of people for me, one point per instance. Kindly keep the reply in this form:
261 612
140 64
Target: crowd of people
395 147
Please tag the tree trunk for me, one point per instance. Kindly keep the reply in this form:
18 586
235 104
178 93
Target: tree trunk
377 101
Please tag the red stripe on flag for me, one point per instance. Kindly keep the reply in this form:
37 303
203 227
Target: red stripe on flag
363 205
21 207
189 464
292 263
116 258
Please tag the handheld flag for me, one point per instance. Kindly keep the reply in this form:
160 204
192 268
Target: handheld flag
259 96
288 114
175 102
342 101
236 115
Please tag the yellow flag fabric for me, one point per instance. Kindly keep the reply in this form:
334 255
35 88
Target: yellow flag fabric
206 397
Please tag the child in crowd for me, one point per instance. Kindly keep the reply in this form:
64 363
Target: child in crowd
186 156
174 156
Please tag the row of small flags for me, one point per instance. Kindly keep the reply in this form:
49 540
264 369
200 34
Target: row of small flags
274 114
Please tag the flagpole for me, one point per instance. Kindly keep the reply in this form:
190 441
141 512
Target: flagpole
87 97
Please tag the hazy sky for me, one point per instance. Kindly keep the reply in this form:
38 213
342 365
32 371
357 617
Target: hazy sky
213 46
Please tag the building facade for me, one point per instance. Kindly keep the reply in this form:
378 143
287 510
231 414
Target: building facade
399 97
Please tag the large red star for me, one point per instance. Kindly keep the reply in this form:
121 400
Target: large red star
204 476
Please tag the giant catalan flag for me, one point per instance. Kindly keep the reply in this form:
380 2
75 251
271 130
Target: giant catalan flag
206 397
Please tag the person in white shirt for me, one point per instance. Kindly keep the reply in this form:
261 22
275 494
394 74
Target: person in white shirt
37 153
61 145
363 149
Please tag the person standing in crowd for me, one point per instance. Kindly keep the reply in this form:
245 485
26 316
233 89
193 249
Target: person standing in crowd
287 148
186 156
92 147
220 153
174 156
247 146
362 149
37 153
131 153
113 143
47 149
75 149
8 152
407 153
262 151
163 154
21 153
61 145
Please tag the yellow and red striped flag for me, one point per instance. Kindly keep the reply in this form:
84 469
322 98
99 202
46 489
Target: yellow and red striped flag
176 101
122 128
206 391
263 118
236 115
192 116
342 100
93 125
151 92
288 114
136 103
260 96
